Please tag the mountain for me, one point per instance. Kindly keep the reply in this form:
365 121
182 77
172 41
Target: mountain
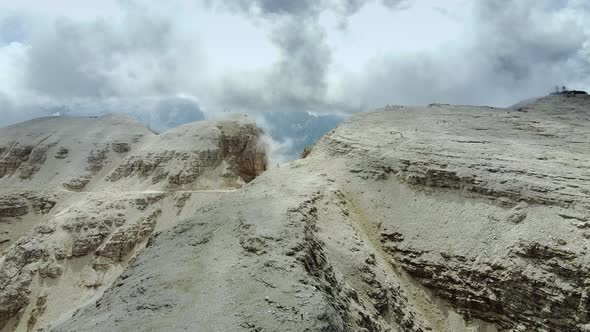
436 218
80 196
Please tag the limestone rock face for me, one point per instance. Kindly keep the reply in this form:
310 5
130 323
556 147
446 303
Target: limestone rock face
13 206
198 155
242 149
67 230
22 159
16 204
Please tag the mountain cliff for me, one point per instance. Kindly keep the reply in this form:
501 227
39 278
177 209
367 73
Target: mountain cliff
437 218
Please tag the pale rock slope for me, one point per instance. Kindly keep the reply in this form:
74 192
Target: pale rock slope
66 152
77 201
438 218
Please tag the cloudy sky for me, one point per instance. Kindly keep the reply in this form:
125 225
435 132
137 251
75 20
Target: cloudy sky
322 56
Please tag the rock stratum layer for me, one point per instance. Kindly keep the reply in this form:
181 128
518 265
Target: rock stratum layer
438 218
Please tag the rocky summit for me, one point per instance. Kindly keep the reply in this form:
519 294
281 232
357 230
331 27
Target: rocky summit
436 218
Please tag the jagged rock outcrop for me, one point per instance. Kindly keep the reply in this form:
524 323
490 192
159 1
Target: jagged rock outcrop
121 147
16 204
20 211
229 151
13 206
22 159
